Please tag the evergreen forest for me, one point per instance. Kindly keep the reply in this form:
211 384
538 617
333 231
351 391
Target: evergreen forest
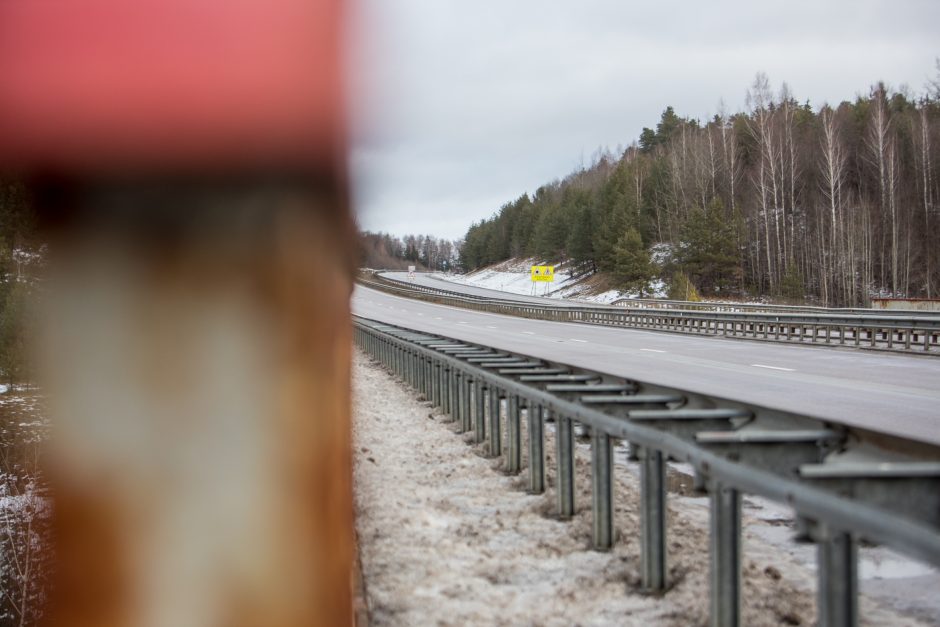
833 204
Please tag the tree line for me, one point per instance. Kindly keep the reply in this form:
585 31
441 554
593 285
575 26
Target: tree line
835 205
426 252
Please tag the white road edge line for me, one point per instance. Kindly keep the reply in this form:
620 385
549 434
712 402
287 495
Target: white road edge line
652 350
773 367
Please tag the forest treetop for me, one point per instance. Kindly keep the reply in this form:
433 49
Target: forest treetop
835 204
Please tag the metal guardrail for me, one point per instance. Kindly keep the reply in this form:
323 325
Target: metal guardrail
894 332
662 303
711 305
844 484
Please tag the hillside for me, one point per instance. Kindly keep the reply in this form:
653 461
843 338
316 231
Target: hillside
834 204
570 281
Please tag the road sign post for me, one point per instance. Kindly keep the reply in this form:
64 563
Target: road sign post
542 274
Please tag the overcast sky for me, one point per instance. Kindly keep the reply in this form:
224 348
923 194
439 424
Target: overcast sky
460 107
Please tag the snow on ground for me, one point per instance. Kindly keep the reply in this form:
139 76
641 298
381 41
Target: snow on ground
513 277
447 538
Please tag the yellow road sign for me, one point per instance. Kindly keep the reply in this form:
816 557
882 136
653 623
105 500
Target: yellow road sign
543 273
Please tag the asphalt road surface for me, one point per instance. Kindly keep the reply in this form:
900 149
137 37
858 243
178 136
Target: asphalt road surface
887 392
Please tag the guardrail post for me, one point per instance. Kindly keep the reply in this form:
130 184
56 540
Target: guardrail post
633 452
423 373
447 404
837 569
406 365
429 380
536 419
458 401
480 413
514 427
602 489
454 400
445 391
564 478
441 385
455 396
436 390
416 371
725 550
653 518
495 433
467 405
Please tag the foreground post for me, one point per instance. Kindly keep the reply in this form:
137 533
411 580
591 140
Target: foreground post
188 159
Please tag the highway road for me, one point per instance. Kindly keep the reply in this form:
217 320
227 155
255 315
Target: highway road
887 392
430 280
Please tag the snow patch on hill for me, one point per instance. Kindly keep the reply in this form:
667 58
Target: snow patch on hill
513 277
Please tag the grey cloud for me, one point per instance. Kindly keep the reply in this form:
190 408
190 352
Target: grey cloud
461 107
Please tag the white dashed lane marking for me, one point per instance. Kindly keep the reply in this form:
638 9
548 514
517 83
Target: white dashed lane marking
652 350
772 367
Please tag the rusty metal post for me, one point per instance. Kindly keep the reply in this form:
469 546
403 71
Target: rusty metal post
188 162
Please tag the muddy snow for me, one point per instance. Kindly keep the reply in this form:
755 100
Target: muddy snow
446 537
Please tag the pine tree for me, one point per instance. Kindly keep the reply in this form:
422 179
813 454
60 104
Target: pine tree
580 241
681 288
708 252
632 267
618 214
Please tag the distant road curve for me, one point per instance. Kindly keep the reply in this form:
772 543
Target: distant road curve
434 281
